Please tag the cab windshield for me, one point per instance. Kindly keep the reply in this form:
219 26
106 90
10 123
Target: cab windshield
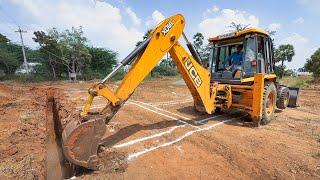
233 60
221 56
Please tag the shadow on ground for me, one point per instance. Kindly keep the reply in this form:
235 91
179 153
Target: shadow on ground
130 130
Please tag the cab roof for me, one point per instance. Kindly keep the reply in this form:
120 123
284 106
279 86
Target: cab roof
238 34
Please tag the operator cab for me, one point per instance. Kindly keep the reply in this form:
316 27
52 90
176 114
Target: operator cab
236 57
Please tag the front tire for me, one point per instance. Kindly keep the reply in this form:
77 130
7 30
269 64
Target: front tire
269 102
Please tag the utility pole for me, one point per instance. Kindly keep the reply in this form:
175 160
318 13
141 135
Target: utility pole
20 31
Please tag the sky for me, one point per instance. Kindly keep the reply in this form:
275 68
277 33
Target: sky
119 24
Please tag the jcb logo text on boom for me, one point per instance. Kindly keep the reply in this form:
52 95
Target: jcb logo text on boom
167 28
193 73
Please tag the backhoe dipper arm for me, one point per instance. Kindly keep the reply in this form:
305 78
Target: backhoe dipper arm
81 139
163 39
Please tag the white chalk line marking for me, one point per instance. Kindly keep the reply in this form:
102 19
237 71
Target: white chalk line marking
166 115
160 134
103 105
170 102
172 113
139 104
137 154
154 104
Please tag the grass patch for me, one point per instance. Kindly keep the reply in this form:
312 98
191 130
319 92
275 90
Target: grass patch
300 81
24 78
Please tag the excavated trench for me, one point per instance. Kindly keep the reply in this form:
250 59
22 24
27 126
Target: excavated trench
57 167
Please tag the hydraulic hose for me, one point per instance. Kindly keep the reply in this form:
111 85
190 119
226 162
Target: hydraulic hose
127 59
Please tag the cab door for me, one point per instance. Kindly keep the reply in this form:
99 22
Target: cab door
249 65
269 55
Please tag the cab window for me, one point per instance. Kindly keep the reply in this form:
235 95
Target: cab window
222 57
250 61
261 55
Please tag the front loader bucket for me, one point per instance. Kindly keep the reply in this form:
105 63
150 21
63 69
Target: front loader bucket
293 96
80 142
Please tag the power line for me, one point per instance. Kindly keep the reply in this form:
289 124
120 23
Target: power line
20 31
9 24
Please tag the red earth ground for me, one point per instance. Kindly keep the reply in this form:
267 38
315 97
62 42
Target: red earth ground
158 135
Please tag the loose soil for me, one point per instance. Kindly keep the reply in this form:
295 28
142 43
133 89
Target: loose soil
156 135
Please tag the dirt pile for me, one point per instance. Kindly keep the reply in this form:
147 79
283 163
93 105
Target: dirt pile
27 141
22 132
112 161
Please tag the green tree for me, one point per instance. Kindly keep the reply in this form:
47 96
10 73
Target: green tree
9 55
102 62
67 49
75 54
8 61
202 49
3 39
198 40
50 52
163 70
284 53
145 36
313 64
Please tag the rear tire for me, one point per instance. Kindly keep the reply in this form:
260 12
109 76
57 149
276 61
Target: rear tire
283 97
269 102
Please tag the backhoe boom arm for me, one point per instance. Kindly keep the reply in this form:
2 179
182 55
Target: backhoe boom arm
82 139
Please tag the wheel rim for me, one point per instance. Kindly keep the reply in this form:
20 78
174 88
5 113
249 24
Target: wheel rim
270 103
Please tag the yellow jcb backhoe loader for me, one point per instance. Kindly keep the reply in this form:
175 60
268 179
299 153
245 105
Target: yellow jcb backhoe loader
250 85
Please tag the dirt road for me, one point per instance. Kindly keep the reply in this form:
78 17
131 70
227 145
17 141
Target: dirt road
157 135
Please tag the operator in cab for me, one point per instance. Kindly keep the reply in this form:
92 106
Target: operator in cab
236 59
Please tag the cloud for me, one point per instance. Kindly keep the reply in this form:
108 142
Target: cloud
133 16
102 23
274 26
295 38
307 2
215 9
210 11
310 5
155 18
301 46
298 20
220 22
